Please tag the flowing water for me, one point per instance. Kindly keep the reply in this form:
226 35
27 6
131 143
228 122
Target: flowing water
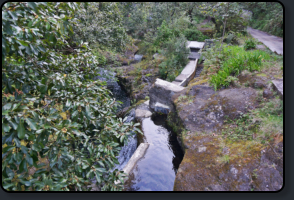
156 171
117 92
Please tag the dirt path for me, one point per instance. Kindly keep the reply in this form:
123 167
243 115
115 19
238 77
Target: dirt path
274 43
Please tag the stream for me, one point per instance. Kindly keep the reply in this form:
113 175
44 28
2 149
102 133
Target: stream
156 171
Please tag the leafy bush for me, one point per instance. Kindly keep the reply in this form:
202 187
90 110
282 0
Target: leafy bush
58 125
249 44
195 35
101 23
101 59
164 34
267 16
176 54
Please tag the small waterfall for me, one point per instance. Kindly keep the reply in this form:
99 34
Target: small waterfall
120 95
128 149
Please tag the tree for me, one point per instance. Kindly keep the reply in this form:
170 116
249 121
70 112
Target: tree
267 16
58 125
101 24
225 12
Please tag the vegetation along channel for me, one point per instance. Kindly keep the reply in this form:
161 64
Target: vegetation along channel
151 96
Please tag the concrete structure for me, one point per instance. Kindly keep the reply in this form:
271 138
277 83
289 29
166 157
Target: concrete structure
189 71
195 45
278 86
274 43
161 108
138 154
161 92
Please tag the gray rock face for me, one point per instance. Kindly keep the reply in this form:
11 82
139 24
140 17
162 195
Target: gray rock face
203 167
161 92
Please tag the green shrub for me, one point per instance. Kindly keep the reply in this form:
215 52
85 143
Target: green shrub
59 128
176 53
195 35
164 34
249 44
101 59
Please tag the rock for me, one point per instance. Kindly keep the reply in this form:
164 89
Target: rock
157 56
200 171
267 93
161 92
143 113
207 164
201 149
146 79
259 84
122 113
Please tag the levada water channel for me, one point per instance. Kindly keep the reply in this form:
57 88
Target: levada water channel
157 169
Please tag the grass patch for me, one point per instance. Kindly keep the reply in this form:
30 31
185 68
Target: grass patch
231 61
261 125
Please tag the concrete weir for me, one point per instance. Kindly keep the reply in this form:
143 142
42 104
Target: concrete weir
138 154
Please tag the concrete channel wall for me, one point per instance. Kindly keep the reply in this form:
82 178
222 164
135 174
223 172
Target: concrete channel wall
138 154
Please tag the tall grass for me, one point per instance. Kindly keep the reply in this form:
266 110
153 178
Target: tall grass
236 59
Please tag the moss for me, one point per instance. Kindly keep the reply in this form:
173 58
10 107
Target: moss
261 74
196 81
173 121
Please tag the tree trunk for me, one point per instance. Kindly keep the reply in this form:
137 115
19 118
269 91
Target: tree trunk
227 8
223 32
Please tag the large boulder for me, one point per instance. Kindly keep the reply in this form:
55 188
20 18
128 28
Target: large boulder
212 163
205 169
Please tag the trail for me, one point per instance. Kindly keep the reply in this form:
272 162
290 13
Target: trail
274 43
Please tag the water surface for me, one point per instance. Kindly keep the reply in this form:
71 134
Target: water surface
156 171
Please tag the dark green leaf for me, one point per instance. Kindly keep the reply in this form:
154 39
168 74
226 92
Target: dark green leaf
98 177
8 148
31 123
29 159
6 127
23 166
47 25
13 15
20 130
32 5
